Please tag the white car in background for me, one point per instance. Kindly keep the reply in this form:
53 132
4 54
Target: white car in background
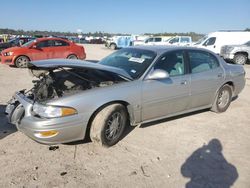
163 40
180 41
157 40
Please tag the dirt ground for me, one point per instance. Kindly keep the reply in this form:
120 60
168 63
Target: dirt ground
202 149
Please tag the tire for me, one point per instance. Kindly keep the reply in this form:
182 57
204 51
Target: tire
21 61
113 46
223 99
72 56
240 59
113 117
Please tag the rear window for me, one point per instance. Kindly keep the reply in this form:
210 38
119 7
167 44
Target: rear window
202 61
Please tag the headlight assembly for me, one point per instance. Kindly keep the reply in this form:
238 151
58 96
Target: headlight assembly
8 54
52 111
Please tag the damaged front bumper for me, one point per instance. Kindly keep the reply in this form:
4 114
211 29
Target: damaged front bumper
44 130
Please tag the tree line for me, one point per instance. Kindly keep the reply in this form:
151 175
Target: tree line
195 36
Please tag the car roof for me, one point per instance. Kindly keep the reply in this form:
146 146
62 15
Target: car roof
51 38
159 49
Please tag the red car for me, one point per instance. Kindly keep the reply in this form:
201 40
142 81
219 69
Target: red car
42 48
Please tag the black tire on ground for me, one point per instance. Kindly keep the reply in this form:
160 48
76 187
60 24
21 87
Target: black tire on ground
223 99
108 125
240 59
72 56
113 46
21 61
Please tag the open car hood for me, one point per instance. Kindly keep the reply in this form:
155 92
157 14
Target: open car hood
51 64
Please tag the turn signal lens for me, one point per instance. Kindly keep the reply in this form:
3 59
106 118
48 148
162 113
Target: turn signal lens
68 111
47 133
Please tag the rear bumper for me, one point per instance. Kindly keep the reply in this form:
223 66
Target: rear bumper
70 128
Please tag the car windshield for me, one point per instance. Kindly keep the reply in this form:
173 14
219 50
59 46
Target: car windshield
133 61
28 43
13 41
201 40
247 43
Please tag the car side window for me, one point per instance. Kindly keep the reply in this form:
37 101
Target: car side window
43 44
150 39
58 43
174 40
185 40
157 39
210 41
172 62
202 61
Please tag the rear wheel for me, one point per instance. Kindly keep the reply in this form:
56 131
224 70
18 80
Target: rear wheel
21 61
72 56
240 59
108 125
223 99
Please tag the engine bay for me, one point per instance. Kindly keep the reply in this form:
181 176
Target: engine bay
56 83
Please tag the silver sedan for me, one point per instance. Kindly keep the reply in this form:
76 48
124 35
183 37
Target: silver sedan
71 98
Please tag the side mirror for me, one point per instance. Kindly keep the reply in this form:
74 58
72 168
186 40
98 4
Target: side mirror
157 74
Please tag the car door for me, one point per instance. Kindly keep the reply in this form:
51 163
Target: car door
40 50
206 77
166 96
59 49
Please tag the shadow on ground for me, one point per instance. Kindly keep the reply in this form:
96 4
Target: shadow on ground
5 128
208 168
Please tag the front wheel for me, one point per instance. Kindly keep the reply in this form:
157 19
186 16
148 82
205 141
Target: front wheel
108 125
113 46
21 61
240 59
223 99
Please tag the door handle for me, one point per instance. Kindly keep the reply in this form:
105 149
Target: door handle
183 82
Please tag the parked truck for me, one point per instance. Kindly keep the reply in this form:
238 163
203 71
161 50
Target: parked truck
119 42
238 54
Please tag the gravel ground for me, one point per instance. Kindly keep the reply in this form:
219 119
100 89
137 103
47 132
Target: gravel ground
202 149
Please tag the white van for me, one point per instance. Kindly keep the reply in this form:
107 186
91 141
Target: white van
214 41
